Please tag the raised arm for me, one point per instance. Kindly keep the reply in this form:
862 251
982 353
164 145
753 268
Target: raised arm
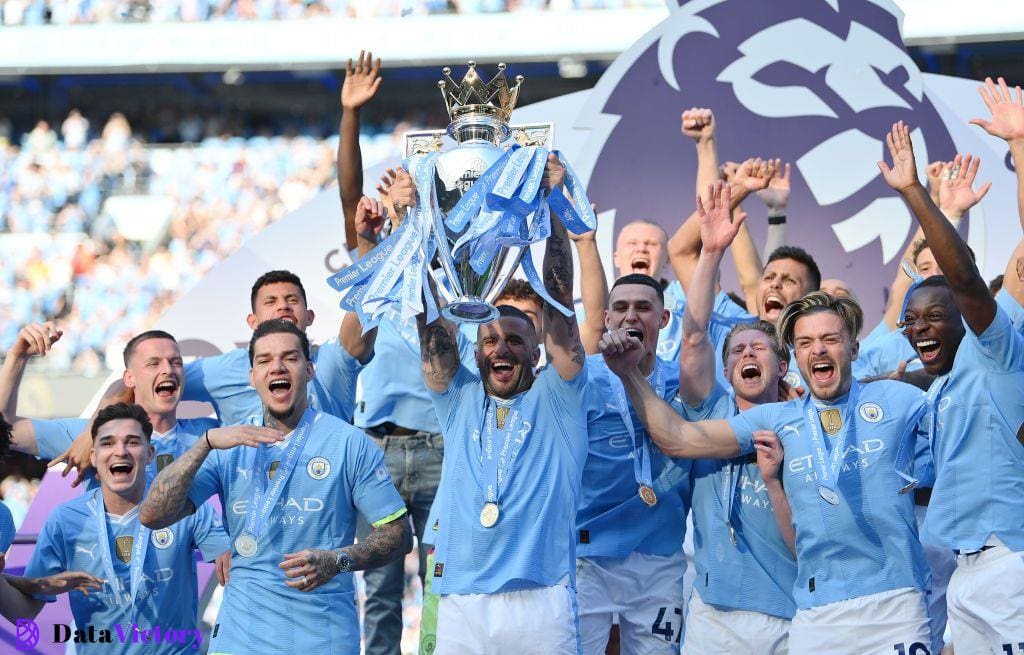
369 221
698 124
439 352
1008 124
697 356
751 176
167 501
562 342
593 289
360 85
976 304
673 435
776 198
35 339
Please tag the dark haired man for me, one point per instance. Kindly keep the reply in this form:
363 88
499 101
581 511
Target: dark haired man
148 601
631 519
848 451
515 445
153 373
290 501
976 419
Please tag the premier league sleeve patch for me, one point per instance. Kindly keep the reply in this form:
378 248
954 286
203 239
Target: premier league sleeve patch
318 468
871 412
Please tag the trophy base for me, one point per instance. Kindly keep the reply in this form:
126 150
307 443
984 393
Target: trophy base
469 310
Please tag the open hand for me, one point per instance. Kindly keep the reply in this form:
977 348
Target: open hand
1007 111
955 193
717 229
242 435
361 81
310 568
903 173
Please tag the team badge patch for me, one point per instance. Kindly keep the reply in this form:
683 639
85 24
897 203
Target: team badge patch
272 470
871 412
318 468
162 460
792 379
831 421
124 548
502 415
163 539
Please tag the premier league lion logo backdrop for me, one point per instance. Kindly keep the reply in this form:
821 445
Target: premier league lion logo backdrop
815 82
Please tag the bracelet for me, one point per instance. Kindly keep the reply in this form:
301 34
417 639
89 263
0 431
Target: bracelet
206 435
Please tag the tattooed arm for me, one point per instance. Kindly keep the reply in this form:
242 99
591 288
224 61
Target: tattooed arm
167 501
313 568
562 335
439 352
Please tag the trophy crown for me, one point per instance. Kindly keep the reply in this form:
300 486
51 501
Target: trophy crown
474 96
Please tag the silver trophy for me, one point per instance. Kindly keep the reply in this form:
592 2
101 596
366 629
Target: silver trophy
479 113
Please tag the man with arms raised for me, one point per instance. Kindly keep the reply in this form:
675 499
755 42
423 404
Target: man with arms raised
848 449
515 444
149 599
632 514
975 427
743 593
291 504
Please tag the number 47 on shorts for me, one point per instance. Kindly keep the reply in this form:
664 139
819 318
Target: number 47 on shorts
664 628
916 648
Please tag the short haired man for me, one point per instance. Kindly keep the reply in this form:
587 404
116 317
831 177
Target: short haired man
848 452
745 568
515 446
632 514
149 598
154 375
290 502
975 421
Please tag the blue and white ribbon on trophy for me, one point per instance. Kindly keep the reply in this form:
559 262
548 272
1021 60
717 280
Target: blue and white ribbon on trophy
504 208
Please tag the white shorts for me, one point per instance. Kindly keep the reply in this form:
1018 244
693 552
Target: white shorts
647 593
941 563
690 575
888 623
529 622
986 602
710 630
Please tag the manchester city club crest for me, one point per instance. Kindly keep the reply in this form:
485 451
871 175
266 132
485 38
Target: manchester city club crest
123 546
162 539
162 460
871 412
318 468
831 421
792 379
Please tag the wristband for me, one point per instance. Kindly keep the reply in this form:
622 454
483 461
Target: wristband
776 218
206 435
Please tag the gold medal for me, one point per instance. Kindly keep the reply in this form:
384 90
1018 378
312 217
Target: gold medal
489 515
831 421
648 496
501 415
273 470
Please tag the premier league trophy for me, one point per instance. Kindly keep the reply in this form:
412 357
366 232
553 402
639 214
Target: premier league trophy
480 207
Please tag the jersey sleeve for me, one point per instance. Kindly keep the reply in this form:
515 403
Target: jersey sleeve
1012 308
717 404
54 436
373 492
746 423
207 481
48 557
208 534
1000 344
335 367
7 529
197 374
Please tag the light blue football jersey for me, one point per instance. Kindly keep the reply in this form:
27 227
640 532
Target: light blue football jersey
391 388
339 471
1012 308
7 528
877 332
168 595
978 453
883 355
757 572
612 519
223 381
533 542
867 542
54 436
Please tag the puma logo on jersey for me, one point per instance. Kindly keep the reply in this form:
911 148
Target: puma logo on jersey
88 551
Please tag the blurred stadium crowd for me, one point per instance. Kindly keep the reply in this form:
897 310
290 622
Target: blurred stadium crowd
65 256
67 12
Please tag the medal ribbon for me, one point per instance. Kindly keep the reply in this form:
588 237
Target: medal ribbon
125 600
828 468
641 459
496 465
263 499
